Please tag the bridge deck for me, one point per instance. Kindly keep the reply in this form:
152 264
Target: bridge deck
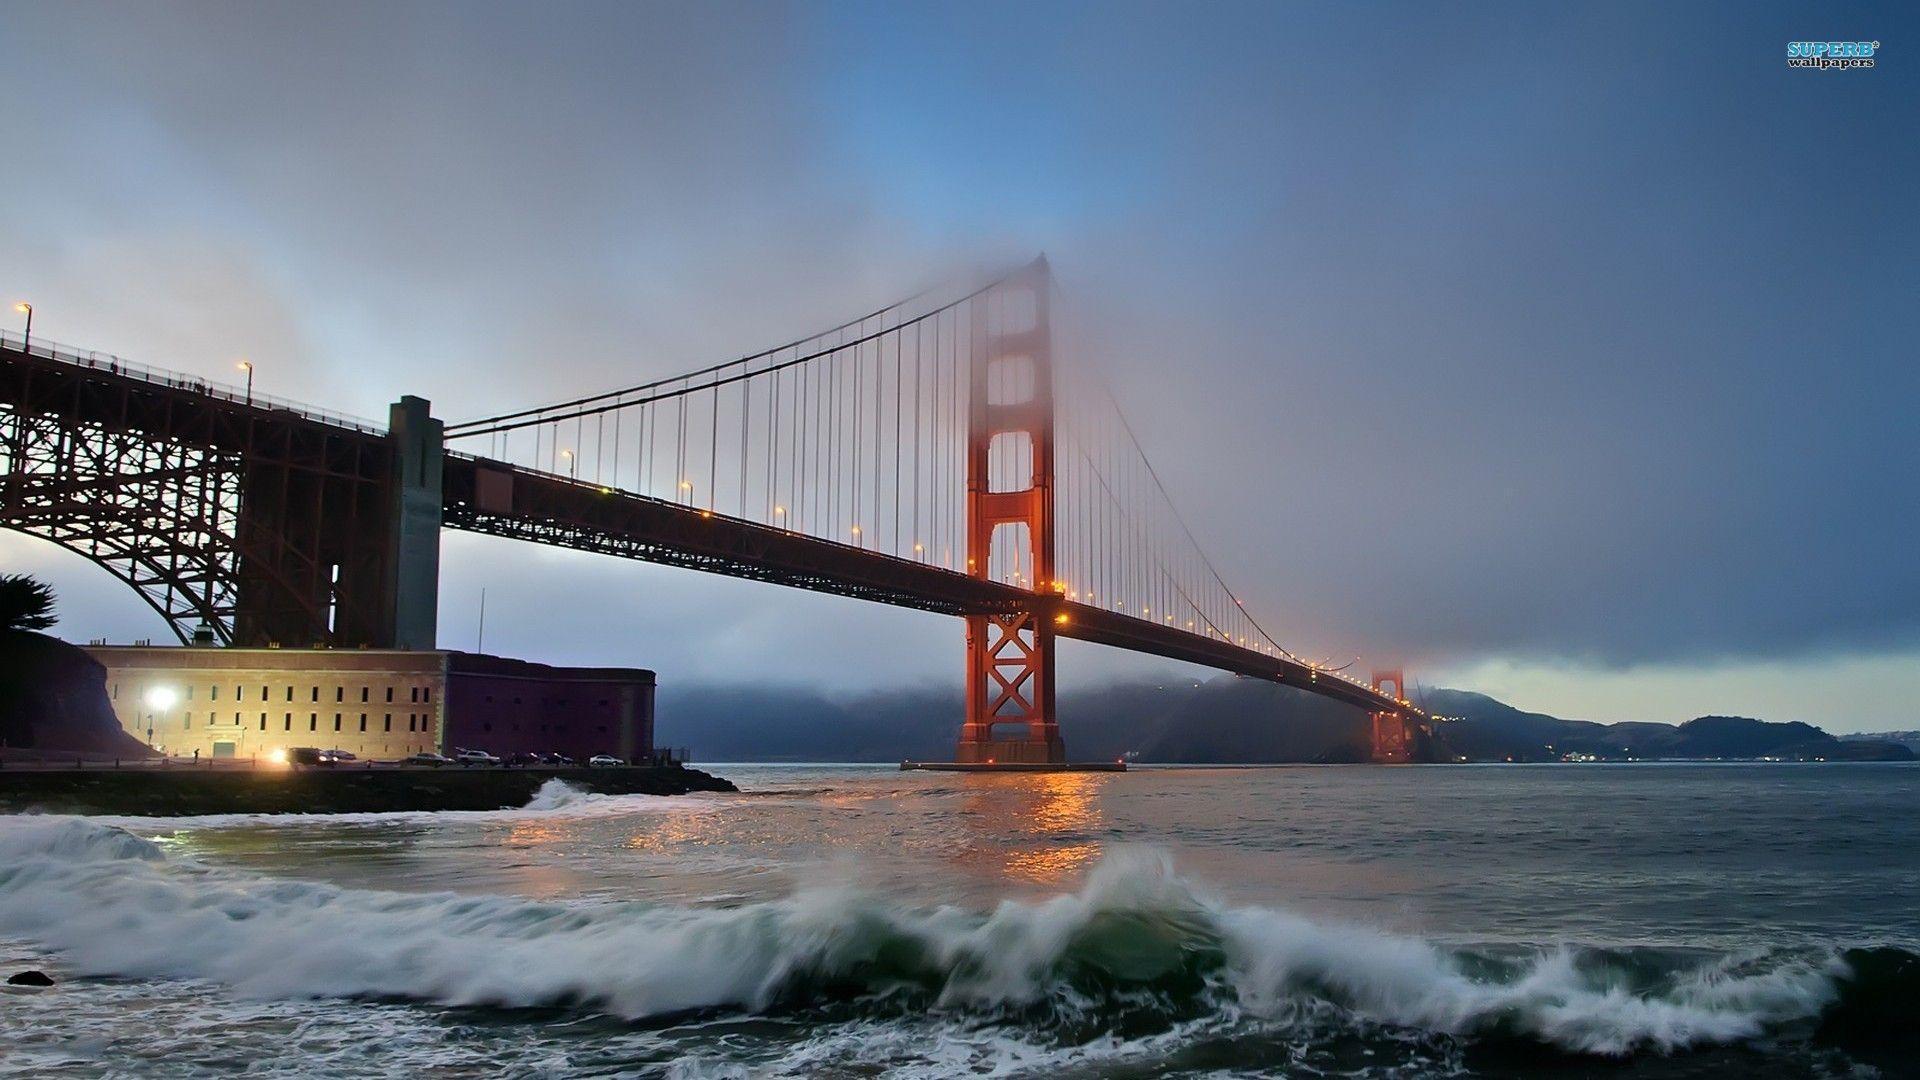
548 509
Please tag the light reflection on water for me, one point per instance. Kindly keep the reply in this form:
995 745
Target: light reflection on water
1635 853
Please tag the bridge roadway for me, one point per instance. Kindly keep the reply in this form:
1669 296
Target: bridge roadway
506 500
91 397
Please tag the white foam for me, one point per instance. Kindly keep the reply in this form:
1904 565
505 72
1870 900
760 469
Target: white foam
114 904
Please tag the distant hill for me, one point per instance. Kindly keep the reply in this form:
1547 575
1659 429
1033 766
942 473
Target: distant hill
1488 730
1908 739
1223 719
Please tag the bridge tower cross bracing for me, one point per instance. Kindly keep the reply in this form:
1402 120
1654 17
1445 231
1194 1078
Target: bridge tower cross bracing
1010 654
1393 733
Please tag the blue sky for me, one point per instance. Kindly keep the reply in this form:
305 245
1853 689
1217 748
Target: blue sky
1590 330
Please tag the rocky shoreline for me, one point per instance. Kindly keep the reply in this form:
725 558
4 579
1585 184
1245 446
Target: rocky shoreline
182 792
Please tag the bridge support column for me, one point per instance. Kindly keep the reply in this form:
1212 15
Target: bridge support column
1010 436
413 551
1391 732
1392 739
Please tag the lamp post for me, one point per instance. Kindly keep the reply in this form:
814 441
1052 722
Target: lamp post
247 366
27 338
573 469
159 700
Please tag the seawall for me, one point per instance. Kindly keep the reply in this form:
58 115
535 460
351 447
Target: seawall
180 792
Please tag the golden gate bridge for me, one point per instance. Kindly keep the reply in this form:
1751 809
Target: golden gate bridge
945 453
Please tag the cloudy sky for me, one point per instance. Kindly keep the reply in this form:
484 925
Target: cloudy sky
1574 349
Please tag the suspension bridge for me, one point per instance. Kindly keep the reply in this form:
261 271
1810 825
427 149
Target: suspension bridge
942 454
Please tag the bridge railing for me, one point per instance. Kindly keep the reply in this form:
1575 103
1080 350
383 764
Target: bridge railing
177 380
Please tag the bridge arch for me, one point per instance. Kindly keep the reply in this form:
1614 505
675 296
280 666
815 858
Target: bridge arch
162 516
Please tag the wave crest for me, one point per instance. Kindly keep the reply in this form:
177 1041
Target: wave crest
1136 947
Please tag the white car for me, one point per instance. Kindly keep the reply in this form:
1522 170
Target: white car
604 761
475 757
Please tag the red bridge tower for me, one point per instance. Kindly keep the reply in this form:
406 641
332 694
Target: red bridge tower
1010 445
1393 732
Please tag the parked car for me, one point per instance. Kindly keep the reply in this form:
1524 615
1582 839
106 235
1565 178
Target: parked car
604 761
558 759
306 755
523 759
429 759
337 757
475 757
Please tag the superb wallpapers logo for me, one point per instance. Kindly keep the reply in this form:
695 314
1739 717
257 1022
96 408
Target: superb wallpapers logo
1831 55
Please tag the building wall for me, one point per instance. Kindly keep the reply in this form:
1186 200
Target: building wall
250 702
376 703
510 706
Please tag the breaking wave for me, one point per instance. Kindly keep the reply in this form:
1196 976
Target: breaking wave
1137 951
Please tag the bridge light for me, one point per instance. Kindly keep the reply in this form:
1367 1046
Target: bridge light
918 548
856 530
1061 618
23 307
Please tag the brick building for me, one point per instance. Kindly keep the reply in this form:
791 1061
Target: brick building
377 703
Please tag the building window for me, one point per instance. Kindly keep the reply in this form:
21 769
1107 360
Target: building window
339 693
263 693
410 721
426 694
189 691
316 693
289 726
363 694
389 693
213 693
313 721
336 721
289 691
363 721
389 726
263 721
186 721
426 723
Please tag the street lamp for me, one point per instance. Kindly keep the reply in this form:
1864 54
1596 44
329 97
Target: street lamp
159 700
573 471
27 339
247 366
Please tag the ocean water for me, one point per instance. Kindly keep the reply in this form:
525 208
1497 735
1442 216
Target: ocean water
1612 921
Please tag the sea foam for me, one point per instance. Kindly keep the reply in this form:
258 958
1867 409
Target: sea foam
1137 938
